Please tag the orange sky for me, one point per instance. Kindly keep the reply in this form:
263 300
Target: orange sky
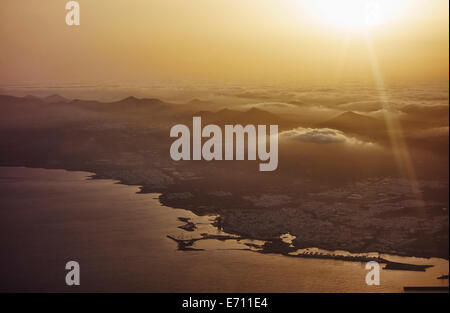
217 41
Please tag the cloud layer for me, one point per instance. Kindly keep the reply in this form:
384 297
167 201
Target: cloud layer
321 136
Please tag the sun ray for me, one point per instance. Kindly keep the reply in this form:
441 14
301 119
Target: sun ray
398 145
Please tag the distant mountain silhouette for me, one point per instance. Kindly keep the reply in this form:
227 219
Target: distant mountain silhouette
136 102
6 99
55 99
32 100
145 109
131 106
353 121
198 102
31 97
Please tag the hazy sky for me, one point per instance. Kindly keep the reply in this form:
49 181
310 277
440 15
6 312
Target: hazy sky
221 41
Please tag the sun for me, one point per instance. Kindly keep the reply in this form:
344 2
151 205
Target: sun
356 14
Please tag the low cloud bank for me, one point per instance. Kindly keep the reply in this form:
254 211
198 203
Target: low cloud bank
321 136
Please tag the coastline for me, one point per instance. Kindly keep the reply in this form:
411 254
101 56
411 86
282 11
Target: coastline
129 232
272 245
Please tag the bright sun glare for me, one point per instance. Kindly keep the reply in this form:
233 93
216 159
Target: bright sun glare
356 14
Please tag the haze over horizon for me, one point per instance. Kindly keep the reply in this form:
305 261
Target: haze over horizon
281 42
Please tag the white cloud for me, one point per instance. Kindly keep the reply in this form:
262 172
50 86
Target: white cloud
321 136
